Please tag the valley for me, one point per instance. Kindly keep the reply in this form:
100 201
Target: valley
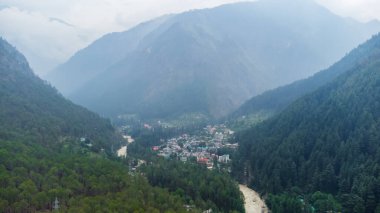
256 107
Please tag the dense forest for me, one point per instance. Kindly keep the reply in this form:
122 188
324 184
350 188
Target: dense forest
327 141
32 176
198 185
274 101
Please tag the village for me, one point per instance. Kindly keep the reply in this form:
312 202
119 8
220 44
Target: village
209 148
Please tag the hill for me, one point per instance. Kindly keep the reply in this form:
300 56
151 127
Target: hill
274 101
324 146
32 109
207 61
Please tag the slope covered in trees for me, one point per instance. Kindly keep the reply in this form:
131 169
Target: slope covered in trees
207 61
32 176
204 188
326 141
33 110
274 101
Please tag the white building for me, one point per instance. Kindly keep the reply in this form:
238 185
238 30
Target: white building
122 152
224 158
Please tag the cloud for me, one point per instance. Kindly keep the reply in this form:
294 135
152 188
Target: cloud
44 41
49 32
362 10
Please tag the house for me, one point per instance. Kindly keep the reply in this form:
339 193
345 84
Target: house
147 126
122 152
201 160
219 136
224 158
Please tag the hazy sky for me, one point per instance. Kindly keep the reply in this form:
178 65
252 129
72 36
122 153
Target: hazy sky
50 31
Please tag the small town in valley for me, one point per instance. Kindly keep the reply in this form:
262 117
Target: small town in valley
209 148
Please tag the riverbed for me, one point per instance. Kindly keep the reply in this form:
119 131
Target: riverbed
252 201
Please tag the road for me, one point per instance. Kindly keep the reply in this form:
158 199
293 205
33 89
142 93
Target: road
252 201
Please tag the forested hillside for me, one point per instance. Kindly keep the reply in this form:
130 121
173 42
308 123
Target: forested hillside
204 188
274 101
34 111
327 141
32 176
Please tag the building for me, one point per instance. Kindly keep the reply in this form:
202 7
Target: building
122 152
201 160
183 158
224 158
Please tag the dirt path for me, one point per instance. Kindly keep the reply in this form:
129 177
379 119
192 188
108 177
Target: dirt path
253 202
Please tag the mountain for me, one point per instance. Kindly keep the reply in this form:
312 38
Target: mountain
32 109
100 55
274 101
324 145
207 61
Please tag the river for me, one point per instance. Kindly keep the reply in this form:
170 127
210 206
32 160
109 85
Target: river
252 201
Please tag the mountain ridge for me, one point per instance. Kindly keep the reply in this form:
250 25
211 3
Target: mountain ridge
223 55
274 101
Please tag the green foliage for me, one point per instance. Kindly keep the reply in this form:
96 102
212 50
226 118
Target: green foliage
32 176
205 188
284 203
318 202
322 202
